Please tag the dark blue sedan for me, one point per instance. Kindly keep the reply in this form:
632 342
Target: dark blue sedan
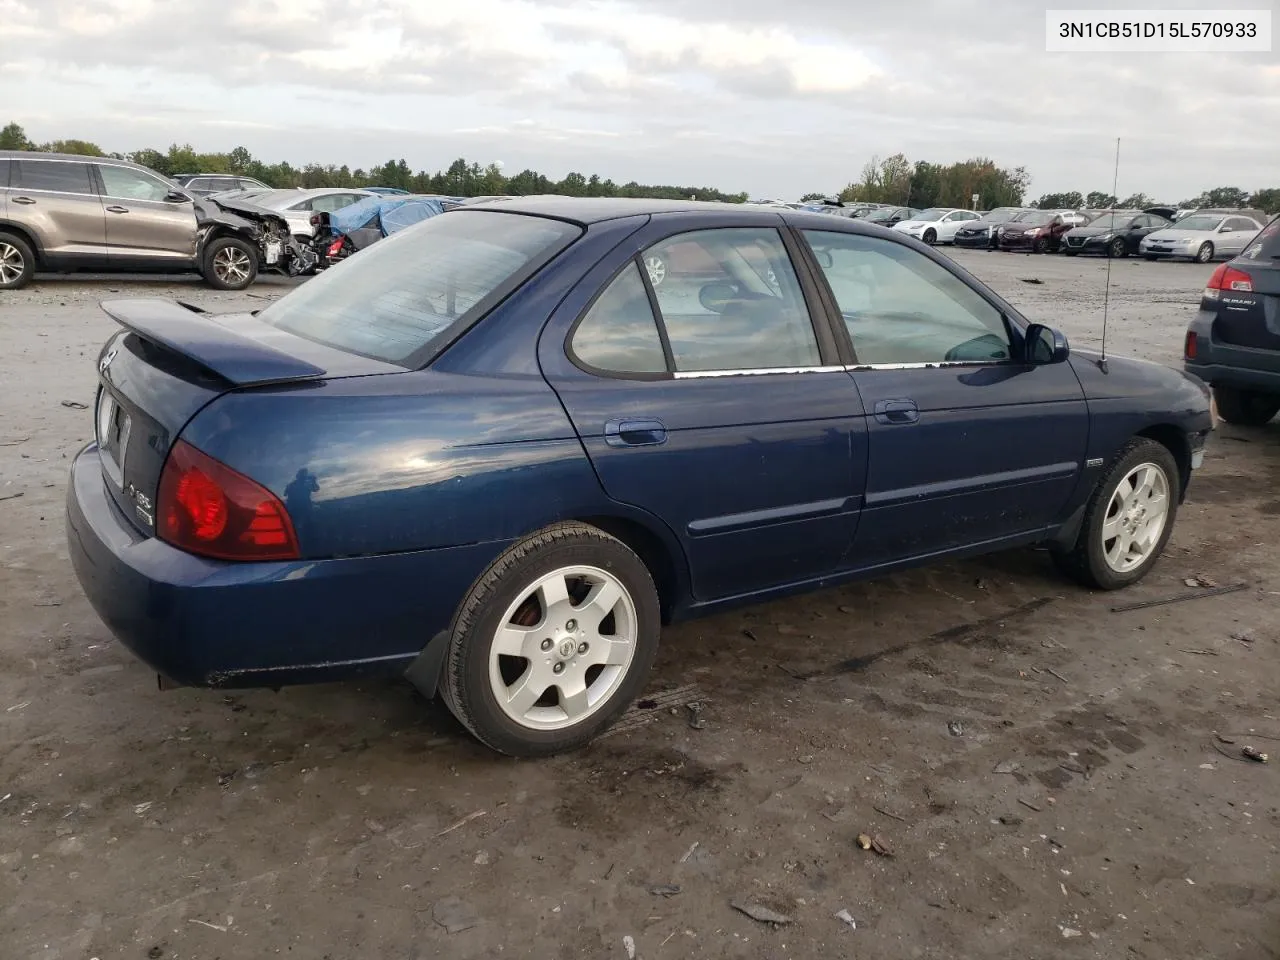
491 454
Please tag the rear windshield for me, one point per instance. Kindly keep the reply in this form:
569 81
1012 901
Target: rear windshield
1033 217
391 300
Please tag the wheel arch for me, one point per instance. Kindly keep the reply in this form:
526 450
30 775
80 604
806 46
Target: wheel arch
1174 440
8 226
670 575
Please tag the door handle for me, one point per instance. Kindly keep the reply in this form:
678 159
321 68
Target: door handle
634 433
115 209
897 411
23 200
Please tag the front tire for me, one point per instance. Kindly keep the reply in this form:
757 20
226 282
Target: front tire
553 642
1245 408
17 262
1128 520
1039 245
230 264
930 237
1205 253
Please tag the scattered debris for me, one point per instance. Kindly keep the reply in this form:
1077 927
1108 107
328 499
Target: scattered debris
1055 673
667 890
1068 933
211 926
1244 638
461 823
1221 739
629 945
47 603
13 443
874 844
482 859
13 496
1036 280
891 816
18 706
454 915
955 728
1203 581
75 405
695 715
747 632
807 758
845 917
689 853
1010 821
1179 598
226 778
1071 767
757 912
864 841
1252 754
141 808
1201 653
609 873
1006 766
1029 804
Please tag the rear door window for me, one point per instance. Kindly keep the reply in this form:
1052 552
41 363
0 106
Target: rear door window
60 176
4 173
405 295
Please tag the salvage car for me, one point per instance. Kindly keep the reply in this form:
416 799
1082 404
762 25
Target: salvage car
205 184
936 225
488 455
1036 231
1233 342
299 207
1201 237
982 232
1116 233
339 233
64 212
889 216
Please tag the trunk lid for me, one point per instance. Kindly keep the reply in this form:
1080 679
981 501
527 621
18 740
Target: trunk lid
1250 319
171 360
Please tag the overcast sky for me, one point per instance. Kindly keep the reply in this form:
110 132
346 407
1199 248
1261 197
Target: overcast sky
774 97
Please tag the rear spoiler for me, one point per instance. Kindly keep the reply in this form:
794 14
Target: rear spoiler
194 334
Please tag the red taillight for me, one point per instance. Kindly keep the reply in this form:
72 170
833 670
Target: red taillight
1227 277
207 508
335 248
1189 348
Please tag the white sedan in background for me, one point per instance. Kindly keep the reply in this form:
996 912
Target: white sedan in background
1202 237
297 206
936 225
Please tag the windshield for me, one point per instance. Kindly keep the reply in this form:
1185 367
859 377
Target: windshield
933 213
880 214
1000 215
1199 223
390 301
1033 217
1112 221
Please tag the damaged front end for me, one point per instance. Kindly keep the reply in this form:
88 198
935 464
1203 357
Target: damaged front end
265 229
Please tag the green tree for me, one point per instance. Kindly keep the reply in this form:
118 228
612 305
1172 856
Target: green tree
79 147
813 196
238 160
13 137
1136 201
1097 200
1061 201
1268 200
573 185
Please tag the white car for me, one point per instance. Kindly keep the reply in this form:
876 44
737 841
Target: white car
1201 237
936 225
297 206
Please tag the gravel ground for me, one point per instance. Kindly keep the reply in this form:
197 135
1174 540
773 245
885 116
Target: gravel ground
1045 771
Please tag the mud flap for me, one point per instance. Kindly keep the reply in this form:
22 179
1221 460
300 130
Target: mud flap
424 672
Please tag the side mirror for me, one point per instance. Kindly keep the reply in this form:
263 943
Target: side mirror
715 296
1044 345
176 196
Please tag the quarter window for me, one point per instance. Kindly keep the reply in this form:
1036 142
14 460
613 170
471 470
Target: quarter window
619 333
126 184
61 176
899 306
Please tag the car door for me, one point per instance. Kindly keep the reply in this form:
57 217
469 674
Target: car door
1137 228
145 224
966 446
58 202
715 401
952 223
1242 230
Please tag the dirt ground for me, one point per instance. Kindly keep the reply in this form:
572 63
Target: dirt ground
1044 770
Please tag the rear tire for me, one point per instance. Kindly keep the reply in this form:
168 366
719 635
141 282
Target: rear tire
1205 253
1039 245
17 262
1245 408
229 264
537 601
1101 557
1117 249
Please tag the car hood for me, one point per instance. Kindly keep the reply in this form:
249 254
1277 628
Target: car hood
903 224
1021 227
1166 392
236 213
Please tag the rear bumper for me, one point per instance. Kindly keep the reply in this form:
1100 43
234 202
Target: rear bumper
1227 365
211 623
1241 378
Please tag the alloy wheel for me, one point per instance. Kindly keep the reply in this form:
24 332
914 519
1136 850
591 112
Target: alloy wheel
1135 518
231 264
563 647
12 263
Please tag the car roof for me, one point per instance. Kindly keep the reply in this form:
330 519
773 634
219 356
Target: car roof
78 157
588 210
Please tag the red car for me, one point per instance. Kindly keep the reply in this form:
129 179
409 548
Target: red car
1036 231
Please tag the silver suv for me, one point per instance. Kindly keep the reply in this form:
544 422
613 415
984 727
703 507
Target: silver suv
63 213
